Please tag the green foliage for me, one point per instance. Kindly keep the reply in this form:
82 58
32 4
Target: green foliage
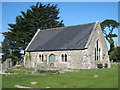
115 55
10 71
47 71
114 65
109 25
5 49
30 56
39 16
26 57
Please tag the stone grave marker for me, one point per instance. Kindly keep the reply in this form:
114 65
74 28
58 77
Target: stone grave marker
0 66
9 63
4 67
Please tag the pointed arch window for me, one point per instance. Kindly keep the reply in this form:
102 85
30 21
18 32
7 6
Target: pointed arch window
65 57
42 57
62 56
95 54
97 51
99 54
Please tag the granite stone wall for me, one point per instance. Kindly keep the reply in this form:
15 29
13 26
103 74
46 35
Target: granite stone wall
77 59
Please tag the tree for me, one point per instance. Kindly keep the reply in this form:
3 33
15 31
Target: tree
38 16
115 55
107 27
0 49
5 49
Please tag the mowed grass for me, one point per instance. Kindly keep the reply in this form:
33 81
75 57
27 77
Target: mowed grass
108 78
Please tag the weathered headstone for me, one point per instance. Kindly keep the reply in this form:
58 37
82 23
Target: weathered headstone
42 66
4 67
38 67
46 67
9 63
0 67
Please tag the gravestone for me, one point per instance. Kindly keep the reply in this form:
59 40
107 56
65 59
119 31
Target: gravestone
42 66
46 67
0 67
9 63
4 67
6 64
38 67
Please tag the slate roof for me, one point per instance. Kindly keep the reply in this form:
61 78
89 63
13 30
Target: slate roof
63 38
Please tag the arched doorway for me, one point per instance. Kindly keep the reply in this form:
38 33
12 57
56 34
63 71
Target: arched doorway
51 59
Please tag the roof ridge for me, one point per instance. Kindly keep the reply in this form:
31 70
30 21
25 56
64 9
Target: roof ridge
67 26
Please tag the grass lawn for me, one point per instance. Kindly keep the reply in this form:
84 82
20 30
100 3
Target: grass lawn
108 78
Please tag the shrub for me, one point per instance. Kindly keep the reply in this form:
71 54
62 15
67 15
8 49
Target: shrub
115 55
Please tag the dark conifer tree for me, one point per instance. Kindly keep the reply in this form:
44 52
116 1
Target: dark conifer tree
37 17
